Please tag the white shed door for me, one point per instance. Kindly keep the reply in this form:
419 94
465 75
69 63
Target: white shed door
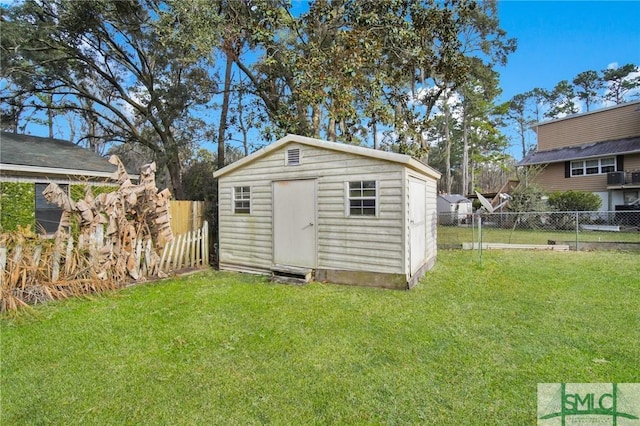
294 217
417 224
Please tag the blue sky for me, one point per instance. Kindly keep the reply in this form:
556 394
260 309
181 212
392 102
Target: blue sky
556 41
559 39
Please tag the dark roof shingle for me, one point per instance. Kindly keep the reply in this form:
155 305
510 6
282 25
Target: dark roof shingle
27 150
590 150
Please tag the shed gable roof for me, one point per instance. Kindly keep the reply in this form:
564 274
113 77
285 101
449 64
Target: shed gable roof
579 152
46 155
405 160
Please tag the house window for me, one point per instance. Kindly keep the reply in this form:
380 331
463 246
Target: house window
362 199
242 199
293 157
577 168
607 165
593 167
47 215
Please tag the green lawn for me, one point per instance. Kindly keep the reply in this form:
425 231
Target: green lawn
466 346
449 236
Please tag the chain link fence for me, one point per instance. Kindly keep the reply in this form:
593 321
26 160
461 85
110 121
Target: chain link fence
597 230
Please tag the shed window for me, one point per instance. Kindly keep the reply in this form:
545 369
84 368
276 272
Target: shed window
47 215
293 157
242 199
593 167
362 198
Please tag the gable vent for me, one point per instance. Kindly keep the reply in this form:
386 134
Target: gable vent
293 156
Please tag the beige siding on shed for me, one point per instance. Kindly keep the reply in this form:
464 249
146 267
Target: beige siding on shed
347 243
608 124
431 219
246 239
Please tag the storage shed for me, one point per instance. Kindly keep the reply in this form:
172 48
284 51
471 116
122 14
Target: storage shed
309 208
454 209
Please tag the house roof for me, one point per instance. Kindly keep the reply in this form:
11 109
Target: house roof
34 154
406 160
589 150
454 198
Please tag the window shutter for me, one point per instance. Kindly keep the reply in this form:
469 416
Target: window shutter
567 169
620 163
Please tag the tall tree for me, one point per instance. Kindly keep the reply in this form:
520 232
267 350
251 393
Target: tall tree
620 81
478 116
517 113
142 65
341 58
588 85
561 100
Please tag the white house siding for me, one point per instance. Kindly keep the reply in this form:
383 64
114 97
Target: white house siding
346 243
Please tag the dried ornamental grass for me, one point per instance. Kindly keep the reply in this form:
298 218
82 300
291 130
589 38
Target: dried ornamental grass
119 234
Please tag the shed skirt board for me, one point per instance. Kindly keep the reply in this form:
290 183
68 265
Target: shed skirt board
294 219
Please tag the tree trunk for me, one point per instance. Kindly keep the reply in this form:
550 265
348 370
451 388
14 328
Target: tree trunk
50 115
374 127
465 156
315 121
175 174
243 128
331 130
523 139
473 175
447 138
222 128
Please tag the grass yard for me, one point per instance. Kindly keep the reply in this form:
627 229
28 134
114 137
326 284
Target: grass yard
466 346
456 235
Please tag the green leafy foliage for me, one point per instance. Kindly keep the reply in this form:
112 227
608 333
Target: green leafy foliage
342 68
17 205
620 81
529 198
561 100
568 201
140 69
78 191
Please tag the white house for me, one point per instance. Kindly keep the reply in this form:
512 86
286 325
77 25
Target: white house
342 213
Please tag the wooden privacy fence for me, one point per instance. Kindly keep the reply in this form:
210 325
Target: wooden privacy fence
186 216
